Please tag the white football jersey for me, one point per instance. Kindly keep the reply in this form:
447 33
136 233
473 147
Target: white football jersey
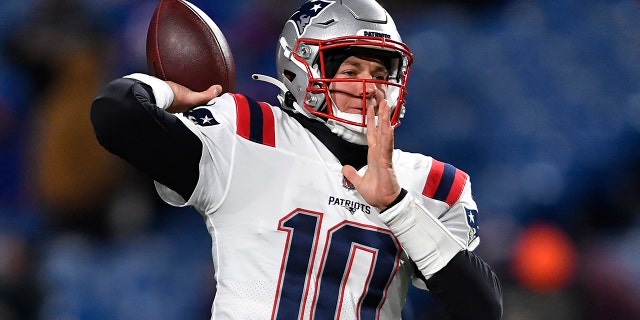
290 237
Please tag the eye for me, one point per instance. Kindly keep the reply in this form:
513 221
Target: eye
381 76
349 73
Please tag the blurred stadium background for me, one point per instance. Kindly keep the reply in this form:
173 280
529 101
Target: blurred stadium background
538 100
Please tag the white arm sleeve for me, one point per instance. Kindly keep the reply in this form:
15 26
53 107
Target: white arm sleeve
161 90
425 239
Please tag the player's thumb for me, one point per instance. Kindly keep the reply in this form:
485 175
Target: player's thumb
205 96
185 98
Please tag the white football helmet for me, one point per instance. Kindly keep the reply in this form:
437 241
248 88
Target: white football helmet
314 42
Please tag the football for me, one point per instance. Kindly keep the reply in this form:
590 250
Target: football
185 46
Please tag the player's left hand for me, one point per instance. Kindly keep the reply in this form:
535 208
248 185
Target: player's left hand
379 185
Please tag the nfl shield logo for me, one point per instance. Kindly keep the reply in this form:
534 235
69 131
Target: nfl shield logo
347 184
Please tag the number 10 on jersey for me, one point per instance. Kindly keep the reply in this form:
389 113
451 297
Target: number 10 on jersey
349 246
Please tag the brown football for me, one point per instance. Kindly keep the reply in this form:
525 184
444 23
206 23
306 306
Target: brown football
185 46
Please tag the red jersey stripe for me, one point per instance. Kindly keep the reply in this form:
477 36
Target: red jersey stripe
268 126
459 181
444 182
255 120
433 179
243 114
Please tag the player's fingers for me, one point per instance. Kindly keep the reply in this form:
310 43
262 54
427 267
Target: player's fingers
383 112
371 126
384 116
386 134
215 90
379 97
200 98
185 98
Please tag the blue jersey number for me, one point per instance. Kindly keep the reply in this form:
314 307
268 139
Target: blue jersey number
342 244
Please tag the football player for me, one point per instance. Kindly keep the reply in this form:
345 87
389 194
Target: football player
312 212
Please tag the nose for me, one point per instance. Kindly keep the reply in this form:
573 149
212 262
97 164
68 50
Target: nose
369 89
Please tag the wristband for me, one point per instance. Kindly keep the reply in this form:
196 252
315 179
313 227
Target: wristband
423 237
161 90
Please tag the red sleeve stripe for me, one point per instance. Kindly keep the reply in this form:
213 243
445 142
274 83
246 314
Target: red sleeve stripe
433 179
269 127
444 182
459 181
255 120
243 116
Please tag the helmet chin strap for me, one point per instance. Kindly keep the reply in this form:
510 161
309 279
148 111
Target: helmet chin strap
349 132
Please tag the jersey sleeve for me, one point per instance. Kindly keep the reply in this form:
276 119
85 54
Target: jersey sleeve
446 191
214 125
128 121
221 125
443 192
462 217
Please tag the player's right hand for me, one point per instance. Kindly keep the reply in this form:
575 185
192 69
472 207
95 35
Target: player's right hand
185 99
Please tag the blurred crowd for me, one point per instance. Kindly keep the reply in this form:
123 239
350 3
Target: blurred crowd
538 100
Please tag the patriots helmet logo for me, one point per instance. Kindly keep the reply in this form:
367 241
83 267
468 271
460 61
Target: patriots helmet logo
352 210
302 18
